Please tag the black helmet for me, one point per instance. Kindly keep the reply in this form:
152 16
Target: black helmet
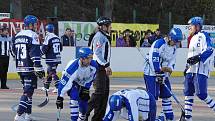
104 21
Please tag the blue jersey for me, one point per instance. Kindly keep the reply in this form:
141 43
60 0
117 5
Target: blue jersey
51 48
74 72
27 51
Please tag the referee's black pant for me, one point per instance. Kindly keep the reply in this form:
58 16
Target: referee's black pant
99 98
4 63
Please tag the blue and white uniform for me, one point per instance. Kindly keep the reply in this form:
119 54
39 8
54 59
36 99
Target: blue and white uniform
52 48
197 74
160 55
74 79
138 104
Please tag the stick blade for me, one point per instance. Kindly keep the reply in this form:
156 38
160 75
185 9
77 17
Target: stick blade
44 103
182 118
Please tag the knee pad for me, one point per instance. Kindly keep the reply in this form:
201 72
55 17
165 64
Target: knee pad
28 91
202 96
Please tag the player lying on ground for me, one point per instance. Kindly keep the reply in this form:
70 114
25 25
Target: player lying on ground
76 81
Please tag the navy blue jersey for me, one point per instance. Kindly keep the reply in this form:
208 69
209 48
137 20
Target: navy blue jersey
27 51
51 48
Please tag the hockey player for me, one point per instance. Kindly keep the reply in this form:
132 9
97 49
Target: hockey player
28 65
76 81
131 104
161 59
199 55
51 48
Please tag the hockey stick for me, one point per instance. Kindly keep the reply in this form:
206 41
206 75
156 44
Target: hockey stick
58 114
182 118
45 102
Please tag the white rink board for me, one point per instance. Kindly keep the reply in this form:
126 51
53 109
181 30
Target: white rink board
123 59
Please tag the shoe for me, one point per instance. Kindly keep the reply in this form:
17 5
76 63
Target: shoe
28 117
44 89
161 117
4 87
19 118
55 90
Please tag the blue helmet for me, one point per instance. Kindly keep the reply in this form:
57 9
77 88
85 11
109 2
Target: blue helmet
85 52
196 21
30 19
50 27
176 34
116 102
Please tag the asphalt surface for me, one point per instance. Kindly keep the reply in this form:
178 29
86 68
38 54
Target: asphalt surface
9 98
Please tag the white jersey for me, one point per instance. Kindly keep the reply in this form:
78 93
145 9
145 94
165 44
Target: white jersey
74 72
200 44
160 55
137 105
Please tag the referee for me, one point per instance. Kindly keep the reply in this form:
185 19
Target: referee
4 56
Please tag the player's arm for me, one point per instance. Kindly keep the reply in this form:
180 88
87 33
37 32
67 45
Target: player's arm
171 64
132 109
110 115
69 74
34 53
45 46
98 48
207 49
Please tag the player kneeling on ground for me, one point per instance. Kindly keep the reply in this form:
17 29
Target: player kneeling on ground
76 81
131 104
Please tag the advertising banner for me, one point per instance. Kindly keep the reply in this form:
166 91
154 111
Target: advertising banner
136 29
185 30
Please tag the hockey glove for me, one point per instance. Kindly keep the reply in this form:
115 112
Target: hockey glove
160 77
166 69
59 102
40 74
84 94
193 60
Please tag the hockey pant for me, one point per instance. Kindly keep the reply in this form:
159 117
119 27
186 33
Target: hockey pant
52 76
29 82
78 103
158 90
196 83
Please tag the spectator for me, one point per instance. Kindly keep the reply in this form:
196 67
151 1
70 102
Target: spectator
120 42
157 34
4 56
92 35
145 41
68 39
130 42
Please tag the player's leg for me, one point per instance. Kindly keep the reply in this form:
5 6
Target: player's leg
201 91
152 86
166 101
74 105
84 96
152 107
189 91
25 105
48 77
55 78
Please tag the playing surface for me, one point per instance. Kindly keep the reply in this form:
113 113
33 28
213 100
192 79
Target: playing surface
8 98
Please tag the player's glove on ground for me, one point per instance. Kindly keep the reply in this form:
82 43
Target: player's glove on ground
59 102
193 60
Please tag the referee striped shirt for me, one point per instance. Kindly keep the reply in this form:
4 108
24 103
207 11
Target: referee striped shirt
4 45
